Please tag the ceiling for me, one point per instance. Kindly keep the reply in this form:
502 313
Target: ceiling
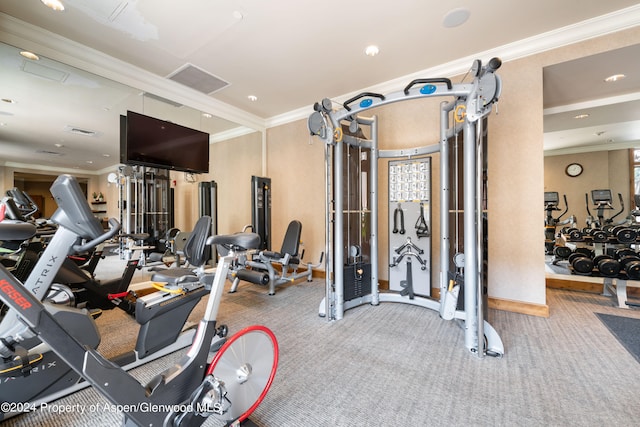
287 53
612 110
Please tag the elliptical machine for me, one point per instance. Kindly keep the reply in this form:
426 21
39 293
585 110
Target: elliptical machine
551 202
601 228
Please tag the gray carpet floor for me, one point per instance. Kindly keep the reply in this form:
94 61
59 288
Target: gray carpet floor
626 329
397 364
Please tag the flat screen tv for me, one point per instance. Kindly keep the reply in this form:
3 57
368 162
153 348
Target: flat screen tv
148 141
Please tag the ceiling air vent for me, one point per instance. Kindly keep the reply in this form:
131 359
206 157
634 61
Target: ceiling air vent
44 71
80 131
161 99
198 79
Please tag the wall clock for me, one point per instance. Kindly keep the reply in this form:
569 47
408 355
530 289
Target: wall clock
574 169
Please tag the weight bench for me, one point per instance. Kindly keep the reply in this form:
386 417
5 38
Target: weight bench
276 268
196 252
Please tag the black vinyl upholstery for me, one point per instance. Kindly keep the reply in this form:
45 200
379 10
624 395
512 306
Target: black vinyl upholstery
196 252
290 244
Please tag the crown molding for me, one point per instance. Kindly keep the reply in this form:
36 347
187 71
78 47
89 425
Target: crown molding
628 97
28 36
592 148
19 33
51 169
230 134
596 27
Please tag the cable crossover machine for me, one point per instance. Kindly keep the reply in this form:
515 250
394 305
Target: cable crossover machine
352 227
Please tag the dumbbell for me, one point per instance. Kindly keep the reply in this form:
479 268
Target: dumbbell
561 252
607 266
575 234
632 268
625 234
599 236
630 262
580 252
582 264
622 252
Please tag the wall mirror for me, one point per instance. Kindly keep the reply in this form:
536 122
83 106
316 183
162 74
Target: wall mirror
54 117
590 126
60 116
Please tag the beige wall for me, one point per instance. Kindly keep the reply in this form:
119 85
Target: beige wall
232 164
295 163
516 169
42 188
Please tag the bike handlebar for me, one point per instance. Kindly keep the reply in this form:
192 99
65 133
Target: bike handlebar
114 227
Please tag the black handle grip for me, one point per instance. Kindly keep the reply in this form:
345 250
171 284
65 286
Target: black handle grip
420 81
362 95
566 207
494 64
114 227
621 206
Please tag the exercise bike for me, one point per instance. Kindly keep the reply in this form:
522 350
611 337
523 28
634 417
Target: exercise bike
229 387
39 375
76 286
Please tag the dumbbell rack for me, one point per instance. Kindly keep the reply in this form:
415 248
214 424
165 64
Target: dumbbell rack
600 262
614 287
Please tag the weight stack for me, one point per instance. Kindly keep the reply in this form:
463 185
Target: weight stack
357 281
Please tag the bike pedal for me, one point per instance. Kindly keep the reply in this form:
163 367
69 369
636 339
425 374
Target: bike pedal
95 313
222 331
216 346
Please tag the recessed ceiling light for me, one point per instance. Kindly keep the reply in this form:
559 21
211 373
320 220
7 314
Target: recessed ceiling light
206 115
252 98
90 162
59 145
456 17
106 155
614 78
30 55
54 4
581 116
372 50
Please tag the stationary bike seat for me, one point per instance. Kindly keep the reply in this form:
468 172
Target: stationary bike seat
238 241
16 230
